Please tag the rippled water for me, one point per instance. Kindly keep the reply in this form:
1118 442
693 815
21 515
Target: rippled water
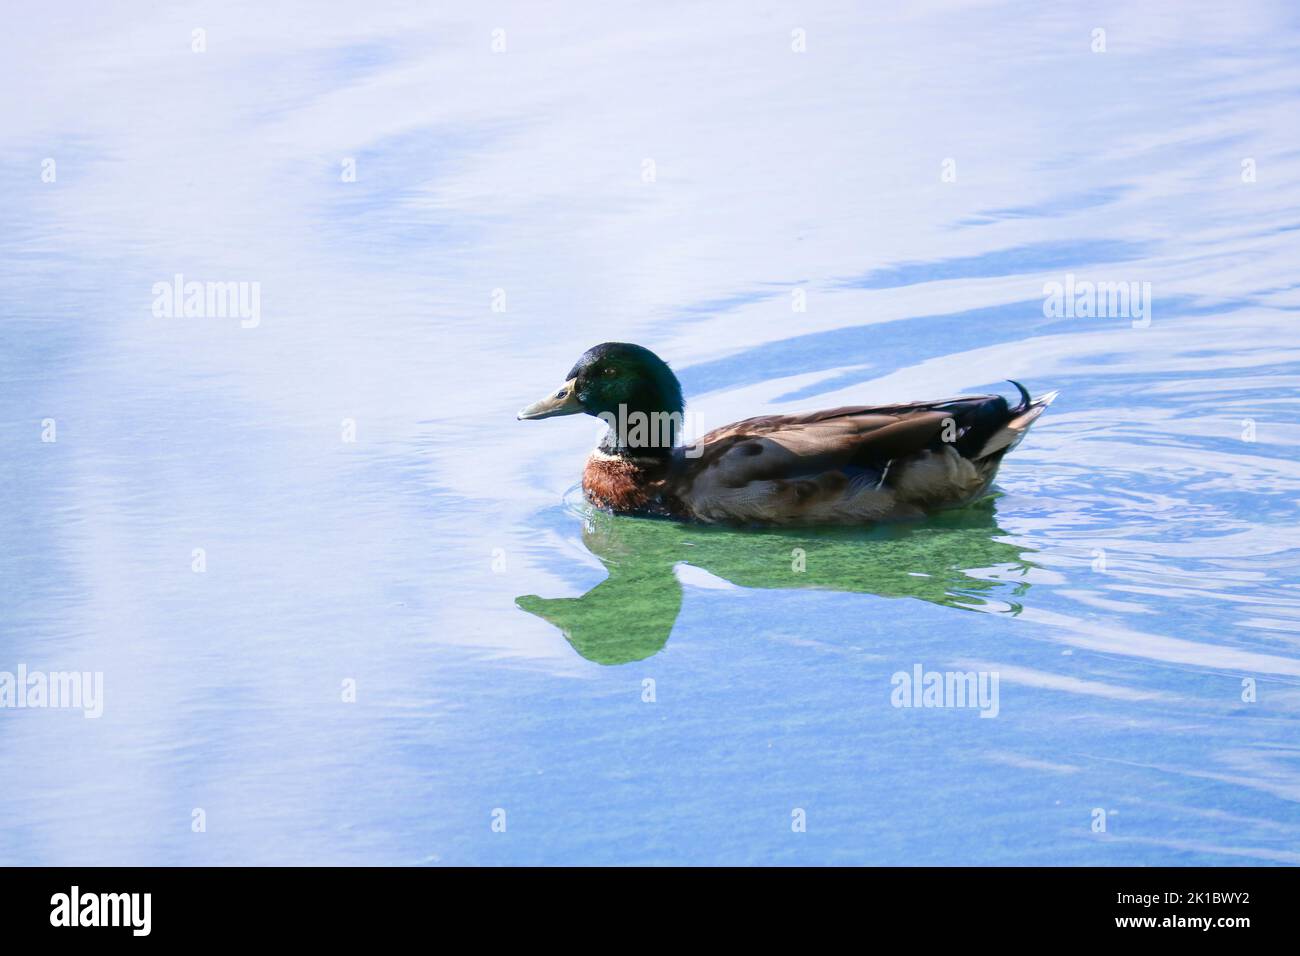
1133 584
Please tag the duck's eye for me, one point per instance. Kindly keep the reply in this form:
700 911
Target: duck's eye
609 372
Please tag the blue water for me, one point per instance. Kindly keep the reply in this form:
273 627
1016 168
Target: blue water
1134 579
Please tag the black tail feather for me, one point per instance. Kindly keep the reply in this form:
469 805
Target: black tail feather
980 419
1025 400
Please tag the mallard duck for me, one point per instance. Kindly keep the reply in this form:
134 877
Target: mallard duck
850 465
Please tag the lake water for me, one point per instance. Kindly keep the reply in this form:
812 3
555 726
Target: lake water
243 524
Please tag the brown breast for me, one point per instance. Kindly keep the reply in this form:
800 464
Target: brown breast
617 483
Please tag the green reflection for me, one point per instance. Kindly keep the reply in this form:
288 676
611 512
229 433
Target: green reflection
629 615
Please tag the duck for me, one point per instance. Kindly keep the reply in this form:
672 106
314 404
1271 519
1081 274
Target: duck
840 466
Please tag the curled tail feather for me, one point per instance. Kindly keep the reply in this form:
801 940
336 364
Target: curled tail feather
1022 416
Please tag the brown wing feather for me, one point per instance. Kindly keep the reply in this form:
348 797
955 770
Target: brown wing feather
762 424
831 465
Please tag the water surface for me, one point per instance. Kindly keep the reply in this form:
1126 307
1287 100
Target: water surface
778 225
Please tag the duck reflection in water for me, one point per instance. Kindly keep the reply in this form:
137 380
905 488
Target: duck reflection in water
958 559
